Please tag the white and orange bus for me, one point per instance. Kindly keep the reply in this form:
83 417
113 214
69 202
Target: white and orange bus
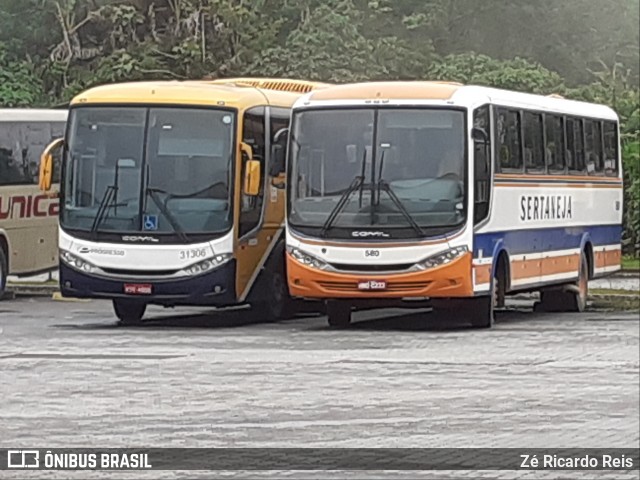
28 218
456 195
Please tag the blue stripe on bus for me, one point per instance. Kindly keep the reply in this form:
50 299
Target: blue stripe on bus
536 240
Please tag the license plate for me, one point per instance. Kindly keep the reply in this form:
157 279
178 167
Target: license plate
372 285
137 288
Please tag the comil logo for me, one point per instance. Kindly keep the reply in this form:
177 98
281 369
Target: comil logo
23 459
138 238
369 234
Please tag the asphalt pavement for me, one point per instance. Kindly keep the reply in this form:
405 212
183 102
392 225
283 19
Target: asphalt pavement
70 376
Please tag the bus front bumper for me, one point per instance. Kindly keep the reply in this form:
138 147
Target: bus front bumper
215 287
449 280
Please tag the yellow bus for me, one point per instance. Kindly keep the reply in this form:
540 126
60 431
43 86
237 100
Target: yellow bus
172 194
28 218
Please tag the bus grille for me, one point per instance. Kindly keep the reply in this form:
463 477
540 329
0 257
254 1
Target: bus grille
401 287
372 267
140 273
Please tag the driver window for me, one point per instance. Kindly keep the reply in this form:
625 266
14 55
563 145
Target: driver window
253 134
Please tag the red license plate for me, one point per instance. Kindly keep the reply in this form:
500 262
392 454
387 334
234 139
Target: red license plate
372 285
138 288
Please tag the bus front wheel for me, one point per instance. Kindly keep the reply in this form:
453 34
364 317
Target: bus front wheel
129 312
338 314
277 304
480 311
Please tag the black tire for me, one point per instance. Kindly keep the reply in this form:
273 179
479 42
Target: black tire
338 314
476 311
570 298
129 312
4 271
579 297
500 284
480 311
278 304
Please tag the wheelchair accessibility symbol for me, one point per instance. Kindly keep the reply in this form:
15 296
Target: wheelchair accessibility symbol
150 222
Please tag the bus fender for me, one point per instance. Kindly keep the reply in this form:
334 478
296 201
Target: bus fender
498 250
586 245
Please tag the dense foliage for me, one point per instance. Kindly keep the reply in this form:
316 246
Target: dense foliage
583 49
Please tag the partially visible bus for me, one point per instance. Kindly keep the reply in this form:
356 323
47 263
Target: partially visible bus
28 218
456 195
171 195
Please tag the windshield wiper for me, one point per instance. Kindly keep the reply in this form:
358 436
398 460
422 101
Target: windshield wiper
105 204
362 169
383 185
377 202
357 182
153 192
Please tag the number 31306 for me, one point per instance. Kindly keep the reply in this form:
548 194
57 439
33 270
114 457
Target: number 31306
197 253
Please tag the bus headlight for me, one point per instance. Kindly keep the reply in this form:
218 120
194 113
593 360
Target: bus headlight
442 258
306 259
76 262
208 264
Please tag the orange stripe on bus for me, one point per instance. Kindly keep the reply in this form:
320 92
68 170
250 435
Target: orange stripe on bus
607 258
483 274
541 267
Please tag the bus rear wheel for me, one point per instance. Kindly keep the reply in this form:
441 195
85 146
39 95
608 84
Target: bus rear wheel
129 312
4 271
338 314
568 298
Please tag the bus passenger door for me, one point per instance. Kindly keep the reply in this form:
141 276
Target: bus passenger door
261 215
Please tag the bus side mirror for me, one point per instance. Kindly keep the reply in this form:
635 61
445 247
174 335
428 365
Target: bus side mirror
252 178
251 183
277 161
45 176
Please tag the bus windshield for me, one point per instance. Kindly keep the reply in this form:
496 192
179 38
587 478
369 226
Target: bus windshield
399 169
157 170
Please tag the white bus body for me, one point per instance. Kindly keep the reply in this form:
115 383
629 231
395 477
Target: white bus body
544 195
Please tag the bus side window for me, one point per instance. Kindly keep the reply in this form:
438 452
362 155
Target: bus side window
509 153
555 147
593 144
575 146
533 150
610 149
12 168
279 119
253 133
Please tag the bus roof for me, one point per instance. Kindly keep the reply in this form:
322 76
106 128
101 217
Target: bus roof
237 93
447 93
32 115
